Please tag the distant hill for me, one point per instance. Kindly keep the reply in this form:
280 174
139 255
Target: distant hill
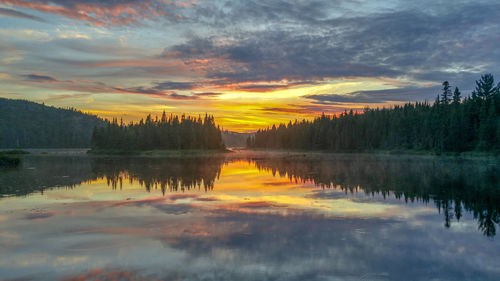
234 139
25 124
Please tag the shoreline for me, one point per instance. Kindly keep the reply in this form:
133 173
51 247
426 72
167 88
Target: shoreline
238 151
472 155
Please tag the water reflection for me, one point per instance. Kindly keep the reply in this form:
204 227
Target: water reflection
249 217
40 173
454 186
173 174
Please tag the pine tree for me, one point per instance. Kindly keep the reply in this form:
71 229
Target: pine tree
445 96
485 87
457 96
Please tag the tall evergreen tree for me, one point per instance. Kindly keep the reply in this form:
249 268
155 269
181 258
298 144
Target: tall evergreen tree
485 87
457 96
446 95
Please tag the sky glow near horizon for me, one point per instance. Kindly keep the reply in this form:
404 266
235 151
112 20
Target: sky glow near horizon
249 63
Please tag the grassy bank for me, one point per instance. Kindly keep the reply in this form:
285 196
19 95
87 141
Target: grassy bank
402 152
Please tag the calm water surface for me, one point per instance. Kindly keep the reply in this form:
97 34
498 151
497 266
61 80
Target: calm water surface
250 216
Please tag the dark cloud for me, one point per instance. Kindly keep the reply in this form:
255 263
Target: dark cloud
176 96
17 14
41 78
164 89
155 92
281 55
141 90
169 85
309 44
304 109
379 96
250 42
161 88
268 12
269 87
207 94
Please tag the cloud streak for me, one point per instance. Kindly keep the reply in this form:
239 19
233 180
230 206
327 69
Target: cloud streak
105 13
40 78
378 96
17 14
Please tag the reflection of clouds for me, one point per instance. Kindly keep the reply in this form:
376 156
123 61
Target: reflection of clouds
326 194
62 261
9 239
175 209
297 202
140 202
194 197
39 215
212 243
243 232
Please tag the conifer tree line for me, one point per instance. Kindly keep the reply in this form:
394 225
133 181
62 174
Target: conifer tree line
167 132
450 124
25 124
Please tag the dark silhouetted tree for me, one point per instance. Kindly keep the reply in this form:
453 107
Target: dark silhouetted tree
446 95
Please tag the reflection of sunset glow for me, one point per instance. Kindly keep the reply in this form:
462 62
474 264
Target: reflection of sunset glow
122 212
262 186
241 186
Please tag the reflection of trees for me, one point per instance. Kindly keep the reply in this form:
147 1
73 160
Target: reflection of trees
174 174
40 173
453 186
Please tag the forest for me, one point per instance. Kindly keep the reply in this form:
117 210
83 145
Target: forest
450 124
25 124
168 132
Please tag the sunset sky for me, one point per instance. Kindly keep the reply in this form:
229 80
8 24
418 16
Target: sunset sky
249 63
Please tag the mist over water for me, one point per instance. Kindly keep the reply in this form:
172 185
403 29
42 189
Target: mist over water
250 216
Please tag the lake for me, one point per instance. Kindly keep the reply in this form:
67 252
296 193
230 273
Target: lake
250 216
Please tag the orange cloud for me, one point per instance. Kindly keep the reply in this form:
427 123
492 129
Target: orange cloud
58 10
101 14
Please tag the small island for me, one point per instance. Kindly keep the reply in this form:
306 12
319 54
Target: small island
11 158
